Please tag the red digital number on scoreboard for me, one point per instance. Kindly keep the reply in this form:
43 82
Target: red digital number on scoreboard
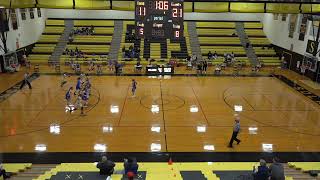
141 31
142 11
177 34
177 12
162 5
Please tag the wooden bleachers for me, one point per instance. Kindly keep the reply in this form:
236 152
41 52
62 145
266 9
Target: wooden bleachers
53 30
305 166
54 22
220 37
260 43
156 171
45 45
216 25
96 44
91 39
95 23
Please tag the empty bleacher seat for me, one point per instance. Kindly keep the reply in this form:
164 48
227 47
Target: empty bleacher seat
53 22
216 25
98 23
219 40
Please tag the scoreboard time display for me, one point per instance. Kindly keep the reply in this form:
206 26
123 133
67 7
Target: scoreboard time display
159 19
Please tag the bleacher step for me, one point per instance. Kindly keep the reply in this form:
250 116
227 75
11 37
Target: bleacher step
20 178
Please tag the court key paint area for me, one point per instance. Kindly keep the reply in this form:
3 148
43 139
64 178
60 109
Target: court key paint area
172 114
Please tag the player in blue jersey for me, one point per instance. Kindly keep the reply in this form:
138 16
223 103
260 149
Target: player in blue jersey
68 96
78 86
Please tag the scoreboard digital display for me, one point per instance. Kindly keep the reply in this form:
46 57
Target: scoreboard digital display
156 19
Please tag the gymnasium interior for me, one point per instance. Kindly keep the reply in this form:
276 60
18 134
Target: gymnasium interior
169 81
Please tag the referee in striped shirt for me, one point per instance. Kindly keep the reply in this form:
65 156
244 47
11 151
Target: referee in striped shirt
236 130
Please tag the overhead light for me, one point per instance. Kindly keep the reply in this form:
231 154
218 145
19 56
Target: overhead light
253 130
155 108
208 147
155 147
114 109
155 129
55 129
40 147
1 7
267 147
194 109
107 129
100 147
167 77
201 129
237 108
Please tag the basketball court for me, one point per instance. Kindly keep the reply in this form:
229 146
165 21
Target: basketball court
168 114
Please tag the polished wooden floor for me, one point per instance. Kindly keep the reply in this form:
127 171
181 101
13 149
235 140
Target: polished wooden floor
177 114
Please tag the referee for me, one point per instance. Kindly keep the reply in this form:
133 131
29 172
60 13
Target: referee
236 130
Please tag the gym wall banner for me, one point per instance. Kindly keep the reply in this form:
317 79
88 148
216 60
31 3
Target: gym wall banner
292 24
303 27
312 47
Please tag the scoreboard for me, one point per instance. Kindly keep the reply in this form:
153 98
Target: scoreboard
159 19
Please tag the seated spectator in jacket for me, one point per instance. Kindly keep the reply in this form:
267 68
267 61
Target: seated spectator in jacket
276 170
3 172
131 166
209 55
106 166
262 172
215 55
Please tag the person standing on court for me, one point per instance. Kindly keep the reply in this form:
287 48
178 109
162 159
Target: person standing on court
236 130
25 81
134 87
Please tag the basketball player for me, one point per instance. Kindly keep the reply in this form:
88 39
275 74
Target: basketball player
85 97
134 87
26 81
236 130
78 103
78 86
68 96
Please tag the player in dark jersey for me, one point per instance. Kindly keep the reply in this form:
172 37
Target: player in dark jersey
134 87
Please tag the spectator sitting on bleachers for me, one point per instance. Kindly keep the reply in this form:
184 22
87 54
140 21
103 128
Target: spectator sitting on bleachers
71 53
131 165
210 55
83 31
106 166
3 172
215 55
91 65
276 170
133 52
70 38
67 51
194 58
262 172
